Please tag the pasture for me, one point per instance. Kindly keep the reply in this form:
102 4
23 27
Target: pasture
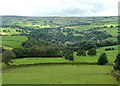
9 31
59 74
37 60
62 74
81 27
111 55
13 41
112 31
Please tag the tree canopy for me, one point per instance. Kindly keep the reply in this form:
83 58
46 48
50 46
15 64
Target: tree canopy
102 59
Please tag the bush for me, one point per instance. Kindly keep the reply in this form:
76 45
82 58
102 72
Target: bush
7 57
111 26
102 59
113 49
105 27
92 52
117 62
69 55
108 49
66 55
81 53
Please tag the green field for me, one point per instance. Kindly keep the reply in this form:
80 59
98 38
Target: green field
45 30
111 55
59 74
10 32
62 74
81 28
37 60
14 38
13 41
112 31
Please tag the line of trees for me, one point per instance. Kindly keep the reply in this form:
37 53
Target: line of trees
37 52
91 52
8 57
108 49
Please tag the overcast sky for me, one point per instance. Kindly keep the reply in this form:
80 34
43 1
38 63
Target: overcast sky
59 7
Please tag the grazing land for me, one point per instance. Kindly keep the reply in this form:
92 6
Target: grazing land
32 60
10 31
59 74
110 54
37 60
13 41
52 40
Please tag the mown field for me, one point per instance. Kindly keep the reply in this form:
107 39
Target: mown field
59 74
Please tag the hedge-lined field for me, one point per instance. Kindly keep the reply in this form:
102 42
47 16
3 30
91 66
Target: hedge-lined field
37 60
59 74
13 41
111 55
14 38
10 31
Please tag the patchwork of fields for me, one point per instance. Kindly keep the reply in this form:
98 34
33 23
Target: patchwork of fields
62 32
62 74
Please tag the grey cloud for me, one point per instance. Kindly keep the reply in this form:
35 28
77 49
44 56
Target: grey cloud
59 7
76 11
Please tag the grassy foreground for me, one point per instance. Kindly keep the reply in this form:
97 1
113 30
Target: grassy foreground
59 74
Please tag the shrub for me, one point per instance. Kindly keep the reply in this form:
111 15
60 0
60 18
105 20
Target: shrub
7 57
117 62
81 53
69 55
108 49
102 59
111 26
92 52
